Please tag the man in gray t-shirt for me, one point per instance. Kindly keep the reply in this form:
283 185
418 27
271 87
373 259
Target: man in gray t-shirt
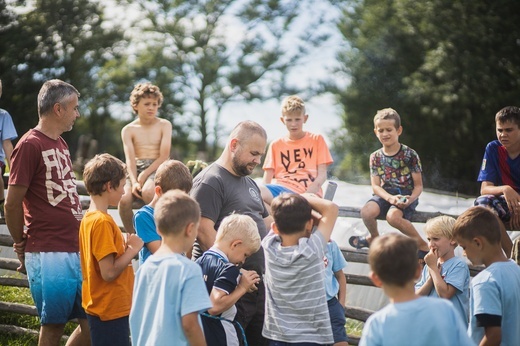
225 187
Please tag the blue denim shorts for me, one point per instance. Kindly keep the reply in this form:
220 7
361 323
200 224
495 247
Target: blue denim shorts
55 283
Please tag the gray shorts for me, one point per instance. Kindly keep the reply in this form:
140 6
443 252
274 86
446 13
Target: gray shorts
142 164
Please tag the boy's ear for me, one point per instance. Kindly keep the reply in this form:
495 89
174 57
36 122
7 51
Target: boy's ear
191 230
158 190
399 130
305 117
282 119
274 228
236 243
375 279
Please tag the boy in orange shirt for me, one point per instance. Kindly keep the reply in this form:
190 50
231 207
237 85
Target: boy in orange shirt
108 276
298 162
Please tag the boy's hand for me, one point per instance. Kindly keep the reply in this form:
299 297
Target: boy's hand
136 190
248 280
431 259
402 201
134 242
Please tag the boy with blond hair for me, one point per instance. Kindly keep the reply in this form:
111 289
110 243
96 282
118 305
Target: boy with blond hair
170 175
409 319
444 275
169 293
396 180
105 256
147 143
495 298
237 238
296 302
298 162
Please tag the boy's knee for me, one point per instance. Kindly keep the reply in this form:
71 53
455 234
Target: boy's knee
369 211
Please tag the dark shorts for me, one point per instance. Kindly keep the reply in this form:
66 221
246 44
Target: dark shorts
384 206
250 315
109 333
278 189
496 203
337 320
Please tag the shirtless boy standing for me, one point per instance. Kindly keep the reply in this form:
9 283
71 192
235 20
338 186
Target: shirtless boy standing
147 144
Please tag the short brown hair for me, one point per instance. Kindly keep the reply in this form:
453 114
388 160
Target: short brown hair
174 210
102 169
506 114
173 174
388 114
393 258
145 90
290 212
478 221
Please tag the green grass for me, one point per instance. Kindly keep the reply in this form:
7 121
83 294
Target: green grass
23 296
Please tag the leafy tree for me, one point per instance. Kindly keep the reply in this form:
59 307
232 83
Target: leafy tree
212 52
446 66
62 39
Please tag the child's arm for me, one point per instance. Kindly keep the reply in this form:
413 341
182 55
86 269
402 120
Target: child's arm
192 329
328 211
222 301
426 288
268 176
8 150
342 280
111 267
375 181
315 186
164 151
131 167
444 290
492 336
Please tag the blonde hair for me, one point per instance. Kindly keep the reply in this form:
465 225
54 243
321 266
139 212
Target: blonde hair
388 114
239 227
292 104
440 226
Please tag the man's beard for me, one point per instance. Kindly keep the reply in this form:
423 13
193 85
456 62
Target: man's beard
239 168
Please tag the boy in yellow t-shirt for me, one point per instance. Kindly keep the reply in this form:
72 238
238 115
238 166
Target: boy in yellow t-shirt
298 162
108 276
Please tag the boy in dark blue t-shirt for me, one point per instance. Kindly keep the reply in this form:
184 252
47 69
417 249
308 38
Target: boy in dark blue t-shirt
237 238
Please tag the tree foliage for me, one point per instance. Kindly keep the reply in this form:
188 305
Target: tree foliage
62 39
446 66
212 52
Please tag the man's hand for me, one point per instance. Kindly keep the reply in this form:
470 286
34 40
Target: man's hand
19 249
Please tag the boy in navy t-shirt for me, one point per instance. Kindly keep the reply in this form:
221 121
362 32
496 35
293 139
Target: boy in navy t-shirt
237 238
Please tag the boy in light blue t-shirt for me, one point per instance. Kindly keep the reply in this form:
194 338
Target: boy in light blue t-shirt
444 275
170 175
409 319
495 297
169 291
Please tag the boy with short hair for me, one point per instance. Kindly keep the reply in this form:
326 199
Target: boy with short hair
396 180
297 162
296 303
7 134
409 318
336 288
170 175
444 275
169 292
237 238
495 298
147 143
500 173
106 266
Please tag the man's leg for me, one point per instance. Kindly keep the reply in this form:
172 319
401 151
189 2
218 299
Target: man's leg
50 334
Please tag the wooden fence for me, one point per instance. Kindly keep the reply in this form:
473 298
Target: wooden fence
352 312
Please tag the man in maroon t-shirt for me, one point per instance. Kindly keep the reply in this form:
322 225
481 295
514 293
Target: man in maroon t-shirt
43 197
